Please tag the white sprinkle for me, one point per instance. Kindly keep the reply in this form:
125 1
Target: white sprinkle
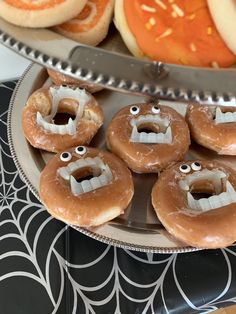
174 14
191 17
145 7
193 47
161 4
177 9
209 30
152 21
168 32
215 65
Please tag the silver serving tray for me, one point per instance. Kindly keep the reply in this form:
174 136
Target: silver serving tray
138 229
111 66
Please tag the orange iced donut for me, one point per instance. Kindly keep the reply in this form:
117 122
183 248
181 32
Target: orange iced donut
214 128
59 117
148 137
196 203
85 187
61 79
90 27
39 13
179 32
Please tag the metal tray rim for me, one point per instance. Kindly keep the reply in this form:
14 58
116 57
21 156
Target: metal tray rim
68 67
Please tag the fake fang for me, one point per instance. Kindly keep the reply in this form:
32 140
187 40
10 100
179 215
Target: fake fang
57 95
205 204
164 137
97 165
226 117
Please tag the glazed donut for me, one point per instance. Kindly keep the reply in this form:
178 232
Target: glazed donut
224 16
61 79
179 32
39 118
71 195
148 136
90 27
40 13
196 203
213 128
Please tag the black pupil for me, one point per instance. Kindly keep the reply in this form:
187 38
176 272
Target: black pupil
156 107
65 155
80 149
134 109
197 164
184 167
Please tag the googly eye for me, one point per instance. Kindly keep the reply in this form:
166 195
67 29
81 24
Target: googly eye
134 110
185 168
65 156
196 166
80 150
156 109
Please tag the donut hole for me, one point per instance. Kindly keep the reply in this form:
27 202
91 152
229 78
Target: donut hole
149 128
62 118
203 189
86 173
67 109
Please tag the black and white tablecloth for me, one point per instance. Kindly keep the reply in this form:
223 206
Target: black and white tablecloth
46 267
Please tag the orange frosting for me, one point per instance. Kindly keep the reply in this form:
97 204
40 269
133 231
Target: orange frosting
77 25
178 31
33 5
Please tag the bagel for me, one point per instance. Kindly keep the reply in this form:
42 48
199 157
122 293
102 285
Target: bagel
180 32
39 118
196 203
69 195
40 13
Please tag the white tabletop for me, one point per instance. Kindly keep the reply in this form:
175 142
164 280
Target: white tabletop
11 64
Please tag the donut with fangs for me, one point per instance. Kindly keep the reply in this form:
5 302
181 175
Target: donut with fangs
213 127
148 136
85 187
62 79
196 203
59 117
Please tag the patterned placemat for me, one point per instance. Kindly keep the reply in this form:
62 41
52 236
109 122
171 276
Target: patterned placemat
47 267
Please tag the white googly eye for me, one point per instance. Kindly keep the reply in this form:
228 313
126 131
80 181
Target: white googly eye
80 150
65 156
185 168
134 110
196 166
156 109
